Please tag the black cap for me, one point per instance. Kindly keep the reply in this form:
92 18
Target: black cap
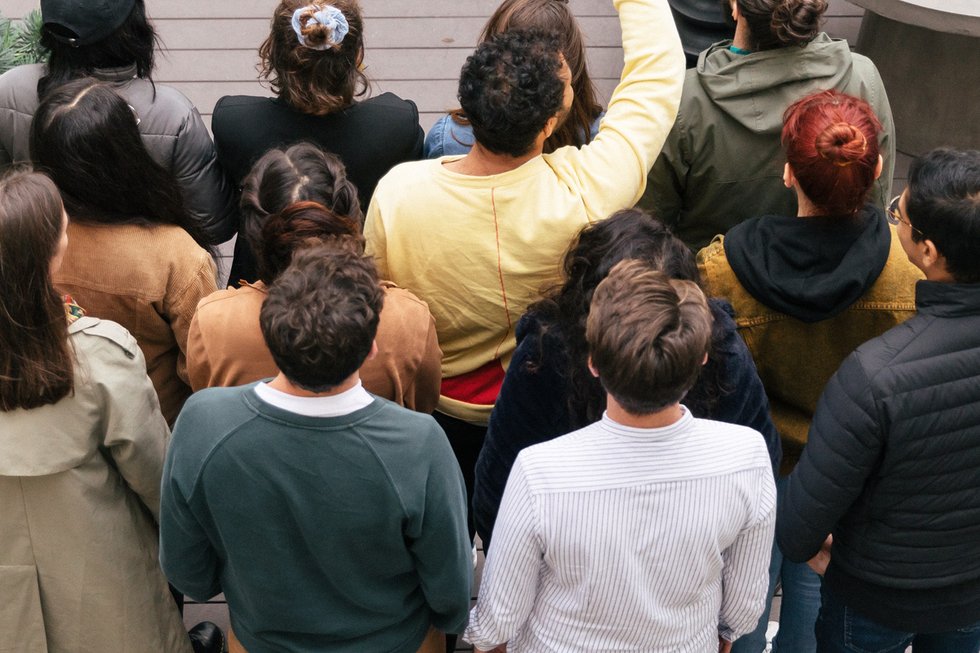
83 22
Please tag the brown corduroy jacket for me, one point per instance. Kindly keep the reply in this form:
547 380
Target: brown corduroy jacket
148 279
226 348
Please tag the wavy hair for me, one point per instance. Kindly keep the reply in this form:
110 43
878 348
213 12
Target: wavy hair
564 310
315 82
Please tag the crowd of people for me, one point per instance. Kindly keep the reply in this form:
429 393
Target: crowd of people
664 356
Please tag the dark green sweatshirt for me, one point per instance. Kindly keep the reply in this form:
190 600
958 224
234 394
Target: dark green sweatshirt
325 534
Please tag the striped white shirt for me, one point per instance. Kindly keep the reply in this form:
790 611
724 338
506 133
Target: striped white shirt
613 538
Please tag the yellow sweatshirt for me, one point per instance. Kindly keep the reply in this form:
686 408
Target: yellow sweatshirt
478 250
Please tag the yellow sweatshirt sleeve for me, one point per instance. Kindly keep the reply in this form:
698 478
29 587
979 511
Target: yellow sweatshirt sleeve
611 171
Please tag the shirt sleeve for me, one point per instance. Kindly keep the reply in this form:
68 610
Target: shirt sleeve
186 554
181 304
439 541
531 408
209 196
512 572
425 387
611 171
664 194
844 443
745 577
136 434
376 240
198 361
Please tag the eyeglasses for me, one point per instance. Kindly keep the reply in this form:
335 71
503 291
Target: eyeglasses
896 218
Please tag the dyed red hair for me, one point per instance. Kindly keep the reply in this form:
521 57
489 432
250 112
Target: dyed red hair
831 143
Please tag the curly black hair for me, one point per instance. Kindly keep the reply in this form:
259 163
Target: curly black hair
563 311
509 88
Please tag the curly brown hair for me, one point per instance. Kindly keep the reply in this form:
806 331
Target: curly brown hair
315 82
321 316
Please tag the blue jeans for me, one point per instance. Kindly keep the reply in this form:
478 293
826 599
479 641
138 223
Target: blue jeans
798 609
841 630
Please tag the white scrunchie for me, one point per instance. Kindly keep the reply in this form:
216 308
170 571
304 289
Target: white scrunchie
329 16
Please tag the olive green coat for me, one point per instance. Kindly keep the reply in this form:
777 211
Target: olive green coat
79 499
723 162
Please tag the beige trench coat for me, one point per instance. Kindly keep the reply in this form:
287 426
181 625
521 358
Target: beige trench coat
79 500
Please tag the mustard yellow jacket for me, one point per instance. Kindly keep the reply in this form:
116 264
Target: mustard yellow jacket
796 359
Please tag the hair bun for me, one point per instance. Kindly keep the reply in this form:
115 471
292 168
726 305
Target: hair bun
797 22
316 34
842 144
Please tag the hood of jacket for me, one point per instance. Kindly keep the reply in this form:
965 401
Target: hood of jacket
735 82
809 268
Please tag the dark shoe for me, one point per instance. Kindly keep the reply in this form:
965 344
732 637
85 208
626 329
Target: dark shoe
206 637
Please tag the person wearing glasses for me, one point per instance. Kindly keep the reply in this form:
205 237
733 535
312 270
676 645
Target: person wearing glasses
807 290
891 468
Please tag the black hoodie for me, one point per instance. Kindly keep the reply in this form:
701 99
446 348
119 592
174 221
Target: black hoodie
809 268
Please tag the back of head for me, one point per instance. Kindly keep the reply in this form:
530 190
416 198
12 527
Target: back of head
626 234
301 172
35 361
648 336
84 35
509 89
943 205
555 17
85 137
301 225
312 55
779 23
321 316
831 143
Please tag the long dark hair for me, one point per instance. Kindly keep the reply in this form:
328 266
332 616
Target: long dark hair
301 172
562 313
84 136
553 16
133 42
36 361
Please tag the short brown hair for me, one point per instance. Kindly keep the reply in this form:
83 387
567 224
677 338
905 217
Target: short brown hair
648 335
316 82
36 361
321 316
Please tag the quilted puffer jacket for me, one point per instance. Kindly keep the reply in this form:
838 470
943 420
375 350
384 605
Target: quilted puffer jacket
172 130
892 469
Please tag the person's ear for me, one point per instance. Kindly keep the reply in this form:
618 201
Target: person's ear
932 258
374 350
705 361
879 167
789 179
550 127
592 368
735 12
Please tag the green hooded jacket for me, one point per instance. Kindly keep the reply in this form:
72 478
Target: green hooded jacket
723 161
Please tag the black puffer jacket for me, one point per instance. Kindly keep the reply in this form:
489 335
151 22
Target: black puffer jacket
892 469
